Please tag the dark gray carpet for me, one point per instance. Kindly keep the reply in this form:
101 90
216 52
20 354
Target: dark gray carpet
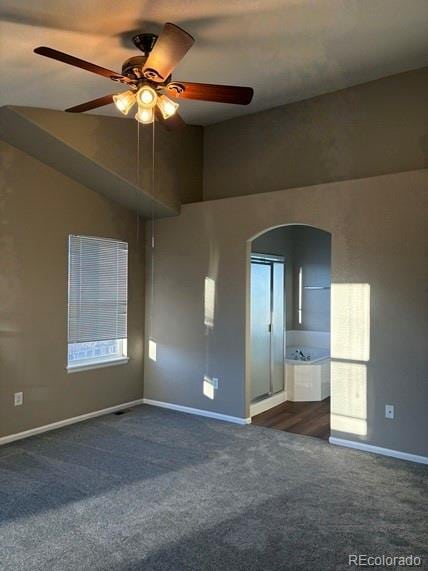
154 489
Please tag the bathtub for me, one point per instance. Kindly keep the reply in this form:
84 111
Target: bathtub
309 379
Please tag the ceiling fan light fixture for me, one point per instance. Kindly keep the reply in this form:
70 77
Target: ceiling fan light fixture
124 101
147 96
145 115
148 76
167 107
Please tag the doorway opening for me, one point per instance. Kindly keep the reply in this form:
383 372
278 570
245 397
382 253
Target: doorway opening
289 332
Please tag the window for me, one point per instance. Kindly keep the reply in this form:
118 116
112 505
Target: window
97 302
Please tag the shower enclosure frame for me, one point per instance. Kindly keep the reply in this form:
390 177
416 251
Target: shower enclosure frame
270 260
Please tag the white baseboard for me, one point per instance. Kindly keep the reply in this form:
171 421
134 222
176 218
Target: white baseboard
198 411
267 403
378 450
67 421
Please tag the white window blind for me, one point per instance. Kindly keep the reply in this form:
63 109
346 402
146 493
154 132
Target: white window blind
97 289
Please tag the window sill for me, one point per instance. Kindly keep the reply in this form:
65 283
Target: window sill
99 365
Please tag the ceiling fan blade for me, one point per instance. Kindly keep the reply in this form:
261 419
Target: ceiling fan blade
71 60
173 123
100 102
171 46
209 92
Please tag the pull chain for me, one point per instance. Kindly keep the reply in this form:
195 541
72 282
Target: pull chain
152 257
138 180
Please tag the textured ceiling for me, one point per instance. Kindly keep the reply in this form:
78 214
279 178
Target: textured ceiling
288 50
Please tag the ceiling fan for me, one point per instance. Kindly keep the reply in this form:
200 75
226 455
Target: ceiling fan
149 79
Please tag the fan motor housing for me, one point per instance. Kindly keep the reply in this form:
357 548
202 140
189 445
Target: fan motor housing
133 68
133 65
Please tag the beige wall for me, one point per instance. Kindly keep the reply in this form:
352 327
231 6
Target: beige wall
376 128
379 329
312 252
39 208
112 143
101 153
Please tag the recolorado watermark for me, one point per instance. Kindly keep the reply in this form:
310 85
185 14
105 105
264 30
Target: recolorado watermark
364 560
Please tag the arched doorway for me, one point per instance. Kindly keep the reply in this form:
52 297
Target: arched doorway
288 342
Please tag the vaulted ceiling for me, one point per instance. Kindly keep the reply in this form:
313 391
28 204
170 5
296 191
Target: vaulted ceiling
288 50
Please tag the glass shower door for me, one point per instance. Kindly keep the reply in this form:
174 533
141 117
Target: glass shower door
278 328
260 329
267 327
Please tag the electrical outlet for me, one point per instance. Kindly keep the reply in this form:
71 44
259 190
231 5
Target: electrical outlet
18 399
214 383
389 411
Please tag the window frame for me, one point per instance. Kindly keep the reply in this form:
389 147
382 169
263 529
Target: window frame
99 362
119 358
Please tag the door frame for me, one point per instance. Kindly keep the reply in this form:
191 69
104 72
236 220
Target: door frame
247 349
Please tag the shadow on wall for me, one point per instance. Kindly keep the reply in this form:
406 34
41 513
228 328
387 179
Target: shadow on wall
11 321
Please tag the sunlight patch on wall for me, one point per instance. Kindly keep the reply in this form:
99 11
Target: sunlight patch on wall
152 349
349 397
209 302
208 388
350 321
350 351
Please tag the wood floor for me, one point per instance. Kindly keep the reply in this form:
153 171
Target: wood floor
309 418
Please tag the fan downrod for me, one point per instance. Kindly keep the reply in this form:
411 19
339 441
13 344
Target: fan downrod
145 42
